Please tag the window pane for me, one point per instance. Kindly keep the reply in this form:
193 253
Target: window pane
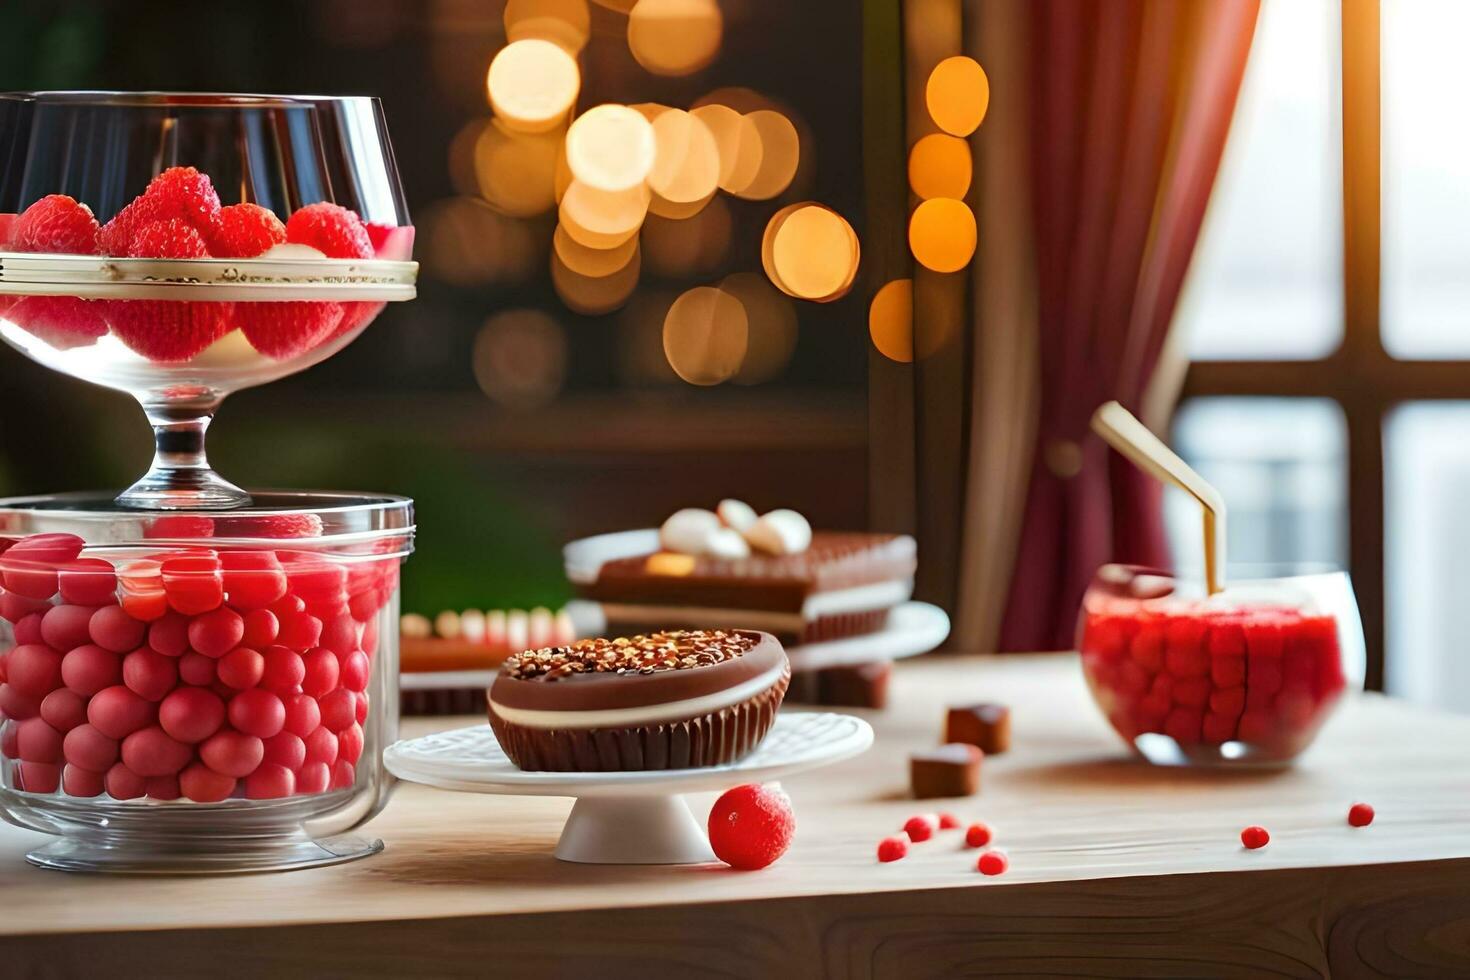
1427 471
1426 179
1267 282
1280 463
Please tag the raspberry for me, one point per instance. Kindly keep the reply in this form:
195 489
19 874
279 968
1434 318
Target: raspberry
751 826
921 827
171 239
390 242
63 322
977 835
355 315
168 331
184 192
893 848
332 230
246 230
7 231
56 223
1360 815
993 863
282 330
1253 837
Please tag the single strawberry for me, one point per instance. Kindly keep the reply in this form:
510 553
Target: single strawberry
63 322
173 238
332 229
282 330
168 331
56 223
246 230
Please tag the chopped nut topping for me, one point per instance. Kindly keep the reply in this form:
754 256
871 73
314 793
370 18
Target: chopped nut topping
682 650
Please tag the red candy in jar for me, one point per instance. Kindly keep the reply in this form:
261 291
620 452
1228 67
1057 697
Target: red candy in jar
1249 674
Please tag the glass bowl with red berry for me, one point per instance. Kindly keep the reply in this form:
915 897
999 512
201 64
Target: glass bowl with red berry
180 247
199 692
1244 677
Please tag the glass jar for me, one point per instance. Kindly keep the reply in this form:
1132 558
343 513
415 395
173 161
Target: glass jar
199 691
1244 677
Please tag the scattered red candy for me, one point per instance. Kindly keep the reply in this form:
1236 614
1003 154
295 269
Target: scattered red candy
993 863
893 848
1359 814
977 835
948 821
921 827
749 826
1253 837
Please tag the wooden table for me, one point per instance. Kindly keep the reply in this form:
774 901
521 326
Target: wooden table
1117 868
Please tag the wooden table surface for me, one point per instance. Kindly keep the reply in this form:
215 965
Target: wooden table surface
1117 868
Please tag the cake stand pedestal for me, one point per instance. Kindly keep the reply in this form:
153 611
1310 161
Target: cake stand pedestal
627 817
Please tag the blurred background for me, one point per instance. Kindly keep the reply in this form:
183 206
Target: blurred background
1315 363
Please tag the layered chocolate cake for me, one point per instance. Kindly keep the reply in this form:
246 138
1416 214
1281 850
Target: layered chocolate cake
674 700
801 586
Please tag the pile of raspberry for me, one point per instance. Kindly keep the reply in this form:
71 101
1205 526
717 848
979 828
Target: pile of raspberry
1206 676
179 216
193 673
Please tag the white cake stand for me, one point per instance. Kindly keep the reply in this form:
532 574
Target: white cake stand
627 817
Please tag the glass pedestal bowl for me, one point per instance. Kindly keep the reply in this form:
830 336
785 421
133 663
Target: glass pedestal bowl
1245 677
180 247
193 693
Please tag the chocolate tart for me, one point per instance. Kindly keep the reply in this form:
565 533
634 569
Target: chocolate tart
843 585
676 700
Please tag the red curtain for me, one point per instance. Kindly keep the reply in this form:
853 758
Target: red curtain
1132 104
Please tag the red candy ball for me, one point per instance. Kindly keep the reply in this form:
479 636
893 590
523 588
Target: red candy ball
35 670
283 670
321 746
124 784
948 821
354 671
111 628
10 739
751 826
893 848
349 743
17 705
87 748
64 627
203 785
285 749
299 631
196 669
1359 814
193 583
28 630
89 668
303 716
362 707
117 712
339 709
343 775
257 712
1253 837
977 835
270 782
76 781
39 777
169 635
64 709
261 628
149 674
314 777
216 633
88 582
921 827
252 579
993 863
241 668
162 787
322 672
151 752
37 741
341 634
191 714
232 753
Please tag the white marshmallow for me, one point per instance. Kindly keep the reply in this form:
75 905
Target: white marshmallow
781 532
414 625
446 624
472 625
291 250
517 630
736 514
539 629
688 531
726 543
565 631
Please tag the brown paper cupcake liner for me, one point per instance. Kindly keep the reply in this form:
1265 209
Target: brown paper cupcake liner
709 740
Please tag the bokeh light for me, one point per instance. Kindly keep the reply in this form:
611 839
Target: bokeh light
686 169
563 22
611 147
532 84
780 154
891 320
942 234
594 262
705 335
957 94
602 219
461 155
810 251
940 166
641 359
737 141
520 358
465 243
675 37
770 327
594 295
514 170
684 249
621 6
